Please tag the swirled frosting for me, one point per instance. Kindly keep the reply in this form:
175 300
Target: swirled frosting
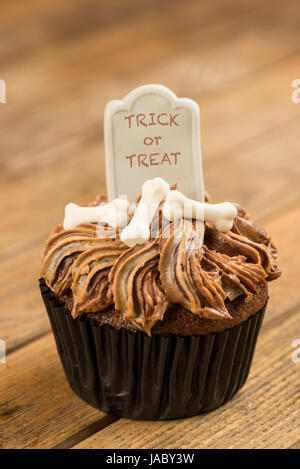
185 262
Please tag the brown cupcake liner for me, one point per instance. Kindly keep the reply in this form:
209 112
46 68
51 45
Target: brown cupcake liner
151 378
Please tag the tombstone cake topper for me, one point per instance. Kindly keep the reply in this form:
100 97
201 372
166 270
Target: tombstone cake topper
152 141
150 133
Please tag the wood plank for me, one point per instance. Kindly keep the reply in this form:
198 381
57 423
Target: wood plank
50 23
76 178
47 25
38 409
261 174
265 413
23 315
60 99
71 162
296 445
43 158
87 47
253 107
284 293
222 112
62 63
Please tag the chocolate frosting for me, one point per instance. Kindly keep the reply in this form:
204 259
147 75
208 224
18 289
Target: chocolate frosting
136 286
186 262
80 260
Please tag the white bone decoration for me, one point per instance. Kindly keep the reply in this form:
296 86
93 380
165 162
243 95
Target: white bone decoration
221 215
149 133
138 230
176 205
114 213
154 191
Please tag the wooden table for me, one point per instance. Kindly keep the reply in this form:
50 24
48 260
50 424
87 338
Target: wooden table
62 61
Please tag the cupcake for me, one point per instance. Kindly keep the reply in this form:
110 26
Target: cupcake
156 316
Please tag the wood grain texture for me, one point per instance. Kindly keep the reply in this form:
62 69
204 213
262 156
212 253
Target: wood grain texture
284 293
264 414
38 409
62 62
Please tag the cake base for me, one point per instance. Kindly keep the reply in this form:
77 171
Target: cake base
151 378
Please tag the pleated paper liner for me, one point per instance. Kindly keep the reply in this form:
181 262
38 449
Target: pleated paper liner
151 378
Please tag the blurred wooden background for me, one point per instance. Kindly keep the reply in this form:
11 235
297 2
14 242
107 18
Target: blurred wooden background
62 62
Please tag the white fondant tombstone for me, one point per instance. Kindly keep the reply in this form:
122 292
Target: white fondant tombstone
152 133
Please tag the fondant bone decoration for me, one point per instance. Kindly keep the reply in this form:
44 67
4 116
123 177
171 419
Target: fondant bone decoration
137 231
176 206
149 133
221 215
114 213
